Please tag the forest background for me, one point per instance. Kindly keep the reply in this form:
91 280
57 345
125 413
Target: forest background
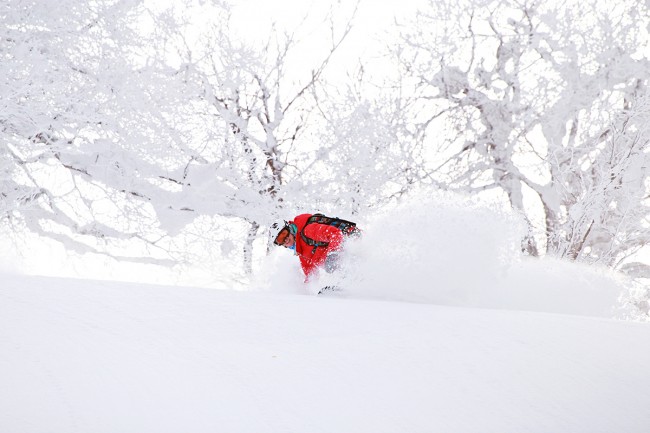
158 142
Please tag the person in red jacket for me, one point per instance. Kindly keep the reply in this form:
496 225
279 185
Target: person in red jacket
316 244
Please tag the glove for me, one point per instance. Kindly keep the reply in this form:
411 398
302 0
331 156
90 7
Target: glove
331 262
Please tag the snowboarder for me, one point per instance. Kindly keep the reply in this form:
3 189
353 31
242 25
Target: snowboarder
316 239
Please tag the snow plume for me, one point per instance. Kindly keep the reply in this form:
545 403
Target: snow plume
450 250
280 273
440 248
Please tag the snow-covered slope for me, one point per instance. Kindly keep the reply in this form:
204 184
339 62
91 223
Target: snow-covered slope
82 356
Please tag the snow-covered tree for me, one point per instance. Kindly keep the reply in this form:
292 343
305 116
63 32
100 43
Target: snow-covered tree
125 122
254 118
71 117
545 103
366 147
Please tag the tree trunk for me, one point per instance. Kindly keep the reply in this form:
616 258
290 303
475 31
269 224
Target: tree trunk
248 247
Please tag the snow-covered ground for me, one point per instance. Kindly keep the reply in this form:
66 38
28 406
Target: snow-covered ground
443 326
84 356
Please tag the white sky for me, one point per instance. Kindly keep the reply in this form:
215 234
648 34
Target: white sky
372 15
255 17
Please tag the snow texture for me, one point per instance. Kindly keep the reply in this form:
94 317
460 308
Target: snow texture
83 356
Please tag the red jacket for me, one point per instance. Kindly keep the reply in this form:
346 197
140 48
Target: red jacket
311 258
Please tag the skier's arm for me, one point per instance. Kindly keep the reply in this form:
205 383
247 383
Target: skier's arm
325 233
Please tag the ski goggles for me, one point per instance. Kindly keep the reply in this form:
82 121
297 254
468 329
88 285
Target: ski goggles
289 229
